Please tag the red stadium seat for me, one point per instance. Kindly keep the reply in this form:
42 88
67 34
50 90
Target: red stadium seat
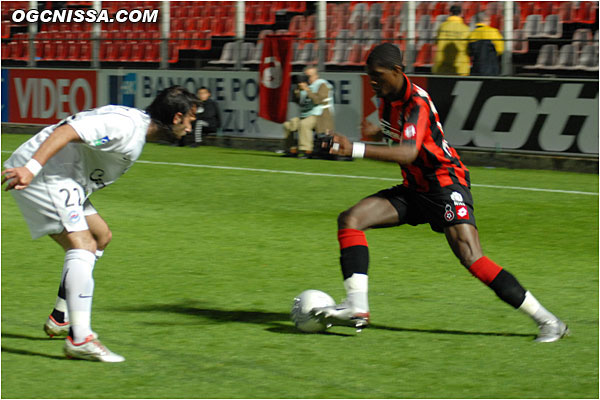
201 40
295 6
5 29
425 56
6 53
586 12
566 12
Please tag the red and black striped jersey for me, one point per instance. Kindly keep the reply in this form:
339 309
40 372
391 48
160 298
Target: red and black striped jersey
413 119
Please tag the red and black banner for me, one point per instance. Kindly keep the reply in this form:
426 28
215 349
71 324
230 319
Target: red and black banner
275 77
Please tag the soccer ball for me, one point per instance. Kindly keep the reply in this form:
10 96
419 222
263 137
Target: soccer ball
305 302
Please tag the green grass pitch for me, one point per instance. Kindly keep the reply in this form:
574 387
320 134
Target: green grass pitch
196 287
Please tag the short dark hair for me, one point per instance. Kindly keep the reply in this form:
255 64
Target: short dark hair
455 10
169 102
203 88
385 55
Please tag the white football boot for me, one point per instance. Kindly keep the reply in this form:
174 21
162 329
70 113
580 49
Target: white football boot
54 328
90 349
342 314
551 331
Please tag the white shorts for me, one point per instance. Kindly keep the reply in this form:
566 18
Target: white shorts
51 205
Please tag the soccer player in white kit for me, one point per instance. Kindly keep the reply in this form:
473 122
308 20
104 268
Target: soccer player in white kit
56 171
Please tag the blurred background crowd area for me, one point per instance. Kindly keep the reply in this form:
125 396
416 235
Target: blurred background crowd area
557 38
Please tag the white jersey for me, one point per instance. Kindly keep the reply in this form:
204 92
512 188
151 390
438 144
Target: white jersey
113 138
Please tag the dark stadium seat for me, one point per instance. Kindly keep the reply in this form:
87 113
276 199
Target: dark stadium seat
547 58
581 38
520 42
588 59
552 27
567 57
533 25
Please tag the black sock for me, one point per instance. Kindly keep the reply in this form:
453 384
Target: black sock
508 288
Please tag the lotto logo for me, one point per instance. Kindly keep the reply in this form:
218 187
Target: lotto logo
462 212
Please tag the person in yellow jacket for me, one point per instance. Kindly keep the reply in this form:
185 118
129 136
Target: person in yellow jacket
451 57
486 44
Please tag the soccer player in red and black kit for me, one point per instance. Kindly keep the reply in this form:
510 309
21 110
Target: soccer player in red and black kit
436 190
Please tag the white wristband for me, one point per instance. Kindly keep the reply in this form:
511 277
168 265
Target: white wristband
358 150
33 166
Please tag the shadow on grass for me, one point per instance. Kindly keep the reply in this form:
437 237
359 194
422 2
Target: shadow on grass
6 335
448 332
31 353
273 320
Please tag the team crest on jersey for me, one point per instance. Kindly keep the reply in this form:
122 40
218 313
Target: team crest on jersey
410 131
74 217
102 141
462 212
449 214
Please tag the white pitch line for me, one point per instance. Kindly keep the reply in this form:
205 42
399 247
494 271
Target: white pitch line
276 171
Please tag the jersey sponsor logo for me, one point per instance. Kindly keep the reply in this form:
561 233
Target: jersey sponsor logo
74 217
448 213
101 141
462 212
410 131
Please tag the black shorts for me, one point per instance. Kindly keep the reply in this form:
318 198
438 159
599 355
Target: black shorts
450 205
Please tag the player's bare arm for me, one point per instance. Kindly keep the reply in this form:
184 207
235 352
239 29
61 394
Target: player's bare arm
21 177
371 131
402 154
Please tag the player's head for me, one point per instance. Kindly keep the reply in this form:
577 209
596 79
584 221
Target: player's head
385 69
173 110
203 93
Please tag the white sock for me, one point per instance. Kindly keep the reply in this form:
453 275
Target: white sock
79 288
357 292
99 254
532 307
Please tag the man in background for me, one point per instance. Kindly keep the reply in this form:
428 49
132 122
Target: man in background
451 57
315 97
486 44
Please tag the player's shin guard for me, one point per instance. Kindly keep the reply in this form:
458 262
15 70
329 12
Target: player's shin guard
354 259
499 280
79 290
